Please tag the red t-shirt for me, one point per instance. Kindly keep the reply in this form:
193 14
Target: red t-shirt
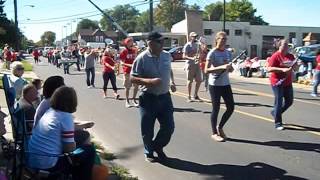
109 60
127 56
281 61
36 54
7 55
318 63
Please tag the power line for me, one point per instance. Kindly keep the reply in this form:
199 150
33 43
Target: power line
64 20
63 17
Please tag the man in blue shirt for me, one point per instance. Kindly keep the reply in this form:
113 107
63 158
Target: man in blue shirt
152 70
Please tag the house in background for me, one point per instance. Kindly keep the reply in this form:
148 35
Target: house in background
258 40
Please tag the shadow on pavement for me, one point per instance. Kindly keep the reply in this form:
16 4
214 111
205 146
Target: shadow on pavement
308 99
77 73
301 146
244 94
185 110
252 104
254 171
125 153
296 127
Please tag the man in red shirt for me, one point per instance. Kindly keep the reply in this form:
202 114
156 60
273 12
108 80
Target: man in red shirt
281 65
36 55
316 76
127 57
7 56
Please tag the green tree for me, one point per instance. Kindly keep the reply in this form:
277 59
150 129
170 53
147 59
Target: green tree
125 15
169 12
87 24
236 10
213 12
25 42
48 38
194 7
8 30
2 13
143 22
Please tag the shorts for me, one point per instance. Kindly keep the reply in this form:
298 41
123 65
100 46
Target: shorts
194 72
127 82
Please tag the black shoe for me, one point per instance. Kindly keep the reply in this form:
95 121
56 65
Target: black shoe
161 155
149 158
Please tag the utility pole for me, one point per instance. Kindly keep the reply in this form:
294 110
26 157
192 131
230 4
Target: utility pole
17 38
151 15
224 15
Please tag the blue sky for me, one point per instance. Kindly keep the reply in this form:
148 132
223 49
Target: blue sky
33 21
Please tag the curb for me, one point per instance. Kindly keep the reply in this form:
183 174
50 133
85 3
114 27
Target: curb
301 84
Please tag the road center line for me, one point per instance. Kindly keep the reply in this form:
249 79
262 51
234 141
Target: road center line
206 101
263 94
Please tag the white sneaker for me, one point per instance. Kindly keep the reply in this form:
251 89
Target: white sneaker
217 138
313 95
135 104
89 87
128 105
280 128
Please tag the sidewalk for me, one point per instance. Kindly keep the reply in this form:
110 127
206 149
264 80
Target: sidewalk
235 75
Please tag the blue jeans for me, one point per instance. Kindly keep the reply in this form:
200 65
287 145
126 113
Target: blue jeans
154 107
281 93
316 82
92 72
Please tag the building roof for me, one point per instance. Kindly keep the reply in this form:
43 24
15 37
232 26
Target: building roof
85 32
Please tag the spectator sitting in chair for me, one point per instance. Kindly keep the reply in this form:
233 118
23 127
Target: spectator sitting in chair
255 66
302 70
49 86
29 95
55 134
245 67
15 79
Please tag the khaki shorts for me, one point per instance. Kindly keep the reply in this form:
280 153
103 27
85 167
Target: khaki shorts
127 83
194 72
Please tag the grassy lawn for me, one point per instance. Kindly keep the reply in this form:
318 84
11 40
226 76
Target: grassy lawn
27 65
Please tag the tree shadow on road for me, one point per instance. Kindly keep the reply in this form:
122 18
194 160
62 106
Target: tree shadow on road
255 170
299 146
252 104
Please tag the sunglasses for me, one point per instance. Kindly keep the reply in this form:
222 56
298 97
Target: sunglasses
20 69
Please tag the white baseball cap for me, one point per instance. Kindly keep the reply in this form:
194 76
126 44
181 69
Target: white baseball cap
193 34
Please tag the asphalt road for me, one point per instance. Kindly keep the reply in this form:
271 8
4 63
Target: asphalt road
254 150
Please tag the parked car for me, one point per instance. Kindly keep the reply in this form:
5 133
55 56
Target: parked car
176 53
308 53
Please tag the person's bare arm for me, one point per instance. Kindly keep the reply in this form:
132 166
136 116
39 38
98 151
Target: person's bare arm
146 81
